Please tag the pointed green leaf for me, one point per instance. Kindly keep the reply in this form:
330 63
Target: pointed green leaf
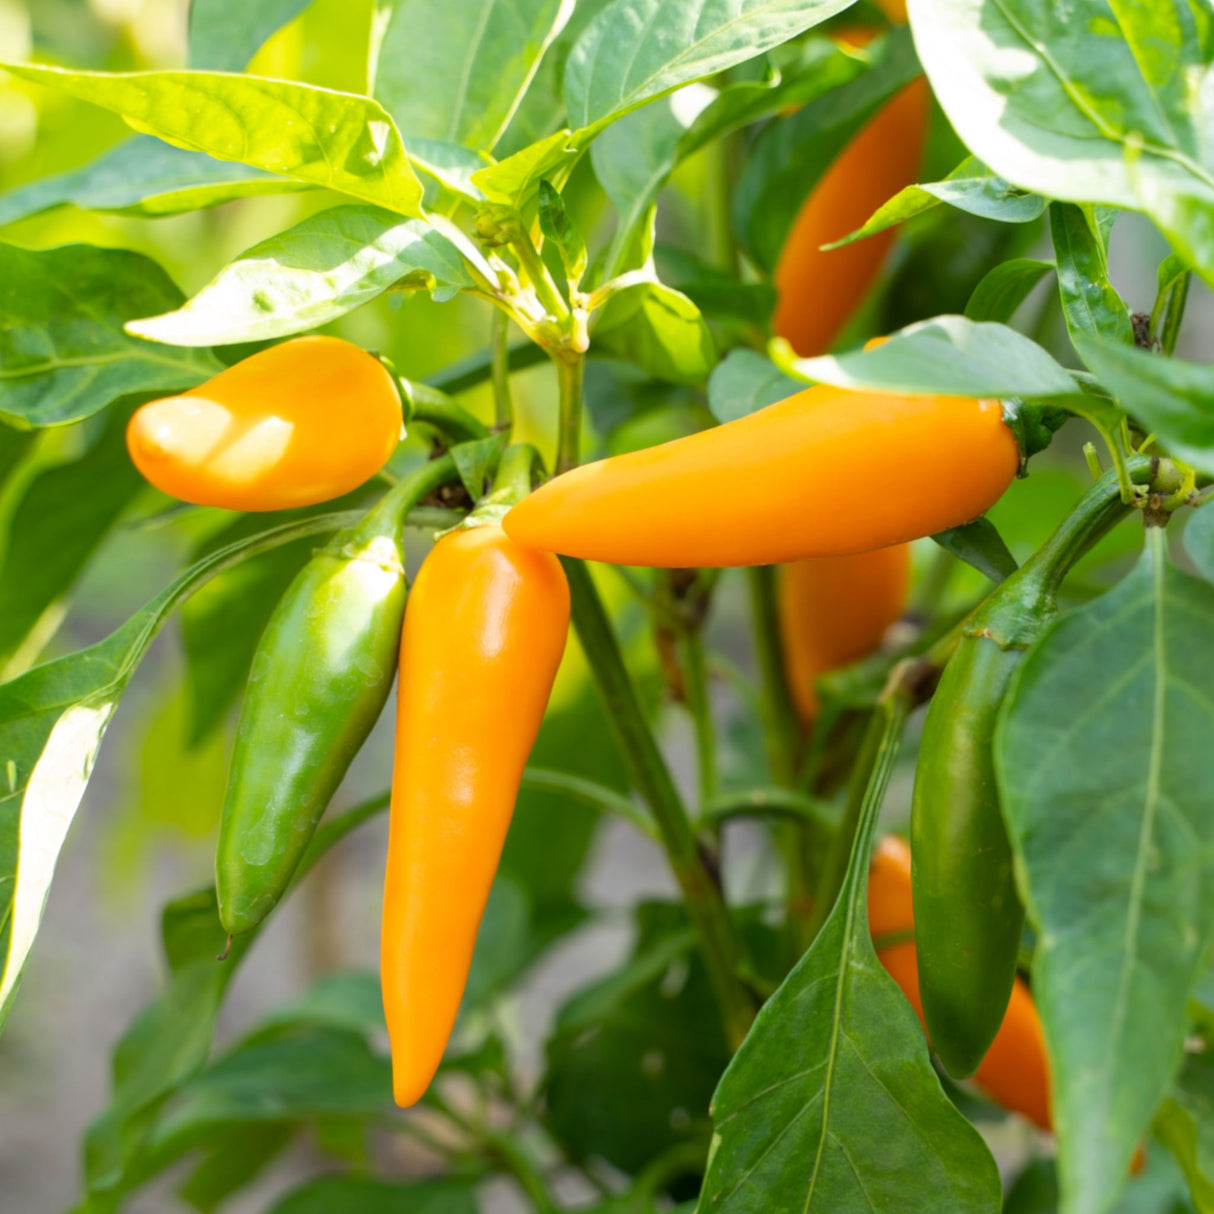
637 50
319 136
311 274
63 352
1090 303
660 330
1103 756
1084 102
1005 288
143 176
480 56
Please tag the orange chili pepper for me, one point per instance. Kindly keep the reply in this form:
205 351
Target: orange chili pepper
834 611
822 473
485 627
820 289
298 423
1015 1071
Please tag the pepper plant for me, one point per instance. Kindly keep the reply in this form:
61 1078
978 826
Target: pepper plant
688 212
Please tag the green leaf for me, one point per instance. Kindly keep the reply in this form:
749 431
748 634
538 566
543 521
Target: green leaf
348 1001
979 544
1185 1125
1090 303
1199 542
52 720
342 141
1005 288
1087 102
788 159
452 164
660 330
718 295
950 355
831 1104
143 176
648 1042
1102 755
637 50
510 180
226 34
234 1158
970 187
311 274
476 460
362 1195
1174 400
480 56
745 380
63 352
57 526
557 227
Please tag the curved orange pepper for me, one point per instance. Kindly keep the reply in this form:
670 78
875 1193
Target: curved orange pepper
822 473
301 422
485 627
834 611
1015 1071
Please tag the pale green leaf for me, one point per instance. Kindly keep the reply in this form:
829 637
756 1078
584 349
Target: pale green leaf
226 34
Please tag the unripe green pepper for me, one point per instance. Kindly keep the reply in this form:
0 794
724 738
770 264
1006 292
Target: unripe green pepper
319 679
968 915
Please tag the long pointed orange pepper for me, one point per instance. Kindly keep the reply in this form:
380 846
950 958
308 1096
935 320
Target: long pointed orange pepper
834 611
825 472
485 627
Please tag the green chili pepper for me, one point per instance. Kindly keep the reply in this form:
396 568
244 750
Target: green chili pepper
319 679
968 915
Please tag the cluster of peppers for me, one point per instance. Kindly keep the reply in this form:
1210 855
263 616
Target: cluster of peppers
480 635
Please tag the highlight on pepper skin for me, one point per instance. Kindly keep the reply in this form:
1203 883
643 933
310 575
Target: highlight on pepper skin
302 422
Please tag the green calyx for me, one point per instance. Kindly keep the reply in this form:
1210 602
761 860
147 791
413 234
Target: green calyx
1034 425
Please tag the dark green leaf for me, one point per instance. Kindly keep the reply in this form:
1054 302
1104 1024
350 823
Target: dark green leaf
1086 102
52 720
1005 288
476 460
647 1041
618 63
1090 304
1185 1124
311 274
233 1159
61 519
361 1195
831 1104
660 330
1199 542
479 57
979 544
719 296
556 226
789 158
745 380
63 353
349 1002
1173 400
339 140
950 355
970 187
1102 756
1034 1191
143 176
226 34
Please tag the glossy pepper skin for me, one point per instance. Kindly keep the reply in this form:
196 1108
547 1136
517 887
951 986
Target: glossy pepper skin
301 422
822 473
1014 1071
319 679
969 914
834 611
484 632
818 290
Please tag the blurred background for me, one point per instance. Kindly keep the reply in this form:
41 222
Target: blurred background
145 831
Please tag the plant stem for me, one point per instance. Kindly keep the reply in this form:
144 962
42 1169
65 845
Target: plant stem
503 405
1169 330
706 907
569 371
695 684
597 796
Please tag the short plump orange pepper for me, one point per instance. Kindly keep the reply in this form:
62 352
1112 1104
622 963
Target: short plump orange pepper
822 473
298 423
485 627
1015 1071
834 611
